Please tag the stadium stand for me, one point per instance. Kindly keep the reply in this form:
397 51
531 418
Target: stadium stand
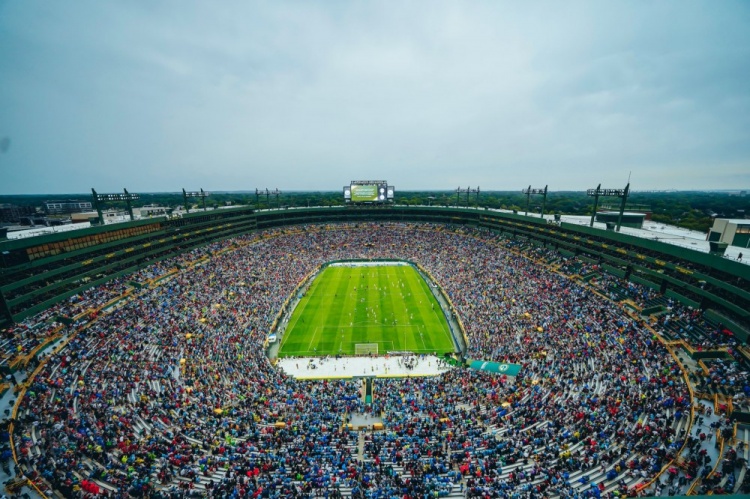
158 385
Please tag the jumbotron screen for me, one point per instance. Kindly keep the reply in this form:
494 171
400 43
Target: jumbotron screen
368 191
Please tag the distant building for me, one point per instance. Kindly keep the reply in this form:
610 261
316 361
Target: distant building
108 216
84 216
39 220
631 208
11 213
629 218
152 211
735 232
57 207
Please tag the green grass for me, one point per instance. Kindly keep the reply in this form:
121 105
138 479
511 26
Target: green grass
388 305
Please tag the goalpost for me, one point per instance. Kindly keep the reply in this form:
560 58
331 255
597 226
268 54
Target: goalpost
365 348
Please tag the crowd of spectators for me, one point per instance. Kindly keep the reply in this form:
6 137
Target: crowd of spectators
26 336
171 394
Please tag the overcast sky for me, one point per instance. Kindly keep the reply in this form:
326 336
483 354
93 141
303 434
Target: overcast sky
157 96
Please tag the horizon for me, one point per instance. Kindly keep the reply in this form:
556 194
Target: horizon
326 191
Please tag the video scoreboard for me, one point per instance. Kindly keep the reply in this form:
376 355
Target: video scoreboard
368 191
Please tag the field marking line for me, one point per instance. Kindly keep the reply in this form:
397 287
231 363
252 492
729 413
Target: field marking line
417 288
438 314
315 333
308 297
290 327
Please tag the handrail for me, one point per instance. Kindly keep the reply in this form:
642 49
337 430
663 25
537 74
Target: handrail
691 490
704 367
633 304
157 280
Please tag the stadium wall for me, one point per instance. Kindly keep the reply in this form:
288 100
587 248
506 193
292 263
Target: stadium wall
30 285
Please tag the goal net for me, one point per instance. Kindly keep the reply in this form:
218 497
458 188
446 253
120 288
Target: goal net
365 348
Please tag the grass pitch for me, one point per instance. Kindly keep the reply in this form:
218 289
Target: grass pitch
391 306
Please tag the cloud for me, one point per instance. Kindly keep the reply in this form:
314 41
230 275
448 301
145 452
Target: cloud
156 96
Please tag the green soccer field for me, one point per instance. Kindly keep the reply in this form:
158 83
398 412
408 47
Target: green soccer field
391 306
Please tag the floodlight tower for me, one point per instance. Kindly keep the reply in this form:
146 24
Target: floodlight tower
102 198
595 194
96 205
194 194
619 193
469 190
529 191
128 198
460 191
276 193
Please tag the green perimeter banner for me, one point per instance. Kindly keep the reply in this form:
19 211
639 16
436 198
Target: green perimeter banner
495 367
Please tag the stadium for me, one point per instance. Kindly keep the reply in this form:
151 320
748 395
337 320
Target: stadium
372 351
